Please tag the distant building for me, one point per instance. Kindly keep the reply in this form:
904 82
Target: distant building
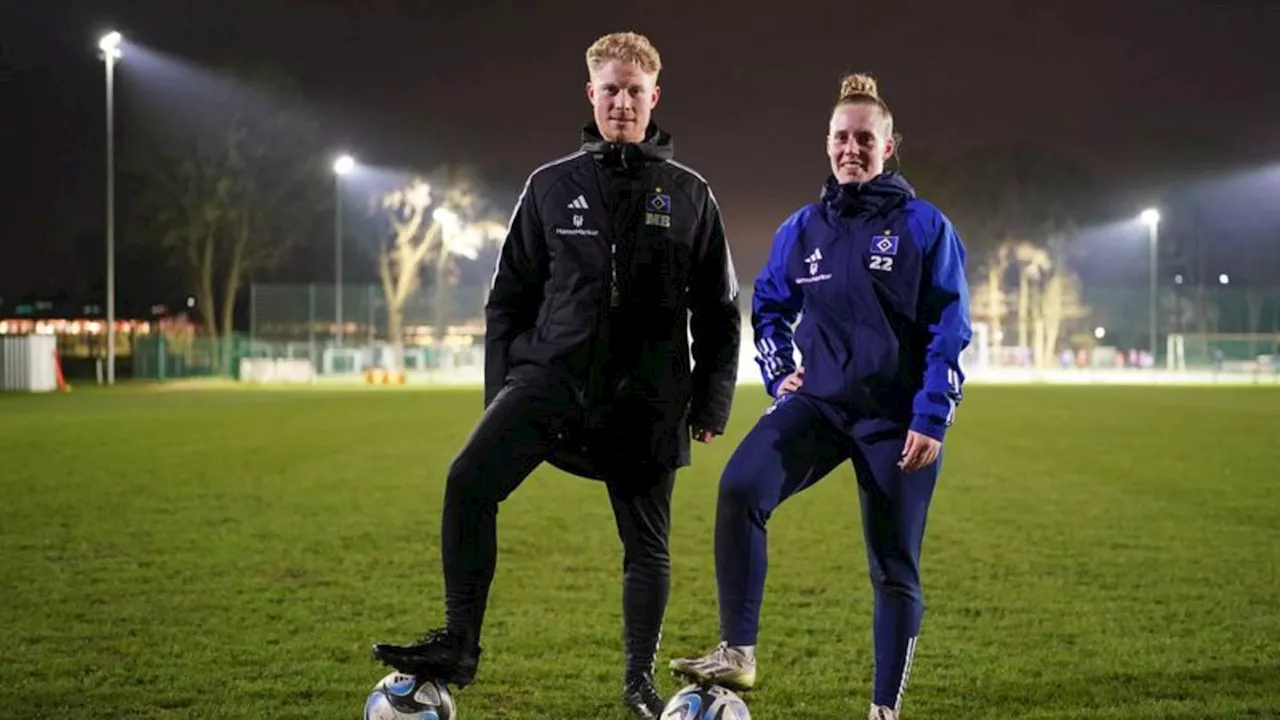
81 329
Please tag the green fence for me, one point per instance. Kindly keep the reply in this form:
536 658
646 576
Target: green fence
157 357
1227 352
1231 324
309 312
1217 323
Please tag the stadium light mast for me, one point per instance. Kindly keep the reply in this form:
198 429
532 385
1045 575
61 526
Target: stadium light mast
1151 218
109 44
342 166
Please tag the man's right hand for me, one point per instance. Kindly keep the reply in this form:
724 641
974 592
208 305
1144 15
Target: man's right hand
791 383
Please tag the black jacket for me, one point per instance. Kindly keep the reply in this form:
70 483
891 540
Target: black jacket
613 257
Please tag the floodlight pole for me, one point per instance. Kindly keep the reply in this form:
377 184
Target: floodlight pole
1153 227
337 253
109 60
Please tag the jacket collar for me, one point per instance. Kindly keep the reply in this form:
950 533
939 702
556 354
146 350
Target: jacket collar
657 146
879 195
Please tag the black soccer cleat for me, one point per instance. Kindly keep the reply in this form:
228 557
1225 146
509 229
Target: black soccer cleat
440 654
642 698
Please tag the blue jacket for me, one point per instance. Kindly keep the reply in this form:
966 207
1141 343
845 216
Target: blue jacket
876 276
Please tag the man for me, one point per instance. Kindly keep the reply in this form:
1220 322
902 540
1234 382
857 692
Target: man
614 255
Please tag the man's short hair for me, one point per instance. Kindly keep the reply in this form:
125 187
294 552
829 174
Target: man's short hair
626 47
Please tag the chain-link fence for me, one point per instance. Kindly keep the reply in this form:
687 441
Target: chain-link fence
1213 326
171 356
1125 314
346 329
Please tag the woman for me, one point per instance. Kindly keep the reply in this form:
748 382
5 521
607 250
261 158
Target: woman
877 276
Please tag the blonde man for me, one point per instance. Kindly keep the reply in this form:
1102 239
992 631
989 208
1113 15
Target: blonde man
615 254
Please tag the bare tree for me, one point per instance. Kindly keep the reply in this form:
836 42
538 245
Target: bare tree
430 226
1001 200
229 193
414 229
1060 302
461 241
1033 266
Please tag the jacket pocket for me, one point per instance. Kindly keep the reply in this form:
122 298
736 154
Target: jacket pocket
660 270
875 353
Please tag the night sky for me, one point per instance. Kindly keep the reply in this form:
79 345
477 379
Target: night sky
1122 87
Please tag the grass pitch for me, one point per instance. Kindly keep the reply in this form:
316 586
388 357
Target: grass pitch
1091 553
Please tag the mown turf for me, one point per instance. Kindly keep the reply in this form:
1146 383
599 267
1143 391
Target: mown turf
1092 553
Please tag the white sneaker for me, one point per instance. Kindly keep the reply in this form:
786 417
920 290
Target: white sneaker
880 712
728 666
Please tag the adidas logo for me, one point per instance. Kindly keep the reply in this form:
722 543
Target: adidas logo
579 203
815 257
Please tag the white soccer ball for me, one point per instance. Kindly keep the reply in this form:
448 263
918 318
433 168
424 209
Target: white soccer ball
404 697
695 702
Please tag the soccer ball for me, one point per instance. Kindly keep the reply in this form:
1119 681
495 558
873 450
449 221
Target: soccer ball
695 702
405 697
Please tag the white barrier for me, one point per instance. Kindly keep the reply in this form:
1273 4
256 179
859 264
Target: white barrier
276 370
1108 376
27 363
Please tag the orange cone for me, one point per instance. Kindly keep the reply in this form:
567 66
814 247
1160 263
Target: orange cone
57 366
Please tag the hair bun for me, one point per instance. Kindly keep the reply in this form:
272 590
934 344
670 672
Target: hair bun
858 84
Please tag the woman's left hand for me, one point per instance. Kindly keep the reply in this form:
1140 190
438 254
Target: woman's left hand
919 452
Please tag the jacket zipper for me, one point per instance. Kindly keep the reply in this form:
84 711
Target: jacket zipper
616 227
589 391
615 296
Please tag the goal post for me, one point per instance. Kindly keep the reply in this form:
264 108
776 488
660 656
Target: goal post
1224 352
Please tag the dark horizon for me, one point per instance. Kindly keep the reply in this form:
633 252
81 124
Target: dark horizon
1134 93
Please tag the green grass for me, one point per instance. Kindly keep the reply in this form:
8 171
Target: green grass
1092 553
